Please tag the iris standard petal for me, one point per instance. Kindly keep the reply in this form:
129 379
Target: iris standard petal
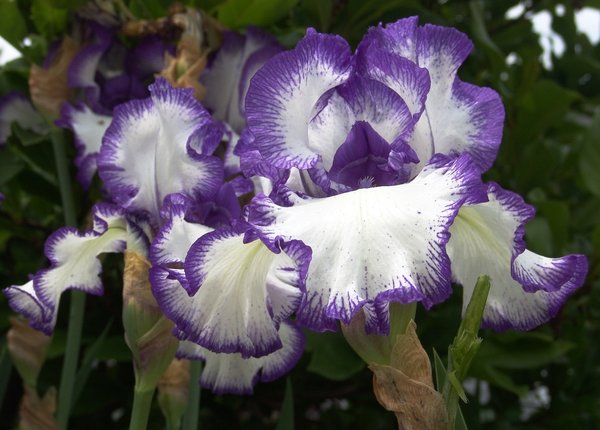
458 117
284 96
158 146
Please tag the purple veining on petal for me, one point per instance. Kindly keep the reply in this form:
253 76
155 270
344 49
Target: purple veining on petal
268 288
283 97
23 300
159 146
416 272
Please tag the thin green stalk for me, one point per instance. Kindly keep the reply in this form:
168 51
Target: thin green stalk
142 401
77 305
190 419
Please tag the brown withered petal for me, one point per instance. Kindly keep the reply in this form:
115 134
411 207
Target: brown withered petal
27 348
405 387
148 333
200 36
36 413
48 86
410 358
136 284
417 406
176 378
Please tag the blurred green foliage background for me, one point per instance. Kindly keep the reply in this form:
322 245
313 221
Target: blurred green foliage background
545 379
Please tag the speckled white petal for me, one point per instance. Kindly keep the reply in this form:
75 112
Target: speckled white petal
376 244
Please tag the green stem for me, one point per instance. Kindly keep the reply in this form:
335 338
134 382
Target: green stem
69 369
190 419
142 400
64 178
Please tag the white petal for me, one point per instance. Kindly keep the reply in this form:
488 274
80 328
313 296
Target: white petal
241 293
232 374
487 239
384 244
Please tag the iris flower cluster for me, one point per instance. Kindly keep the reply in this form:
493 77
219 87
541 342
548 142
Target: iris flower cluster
362 172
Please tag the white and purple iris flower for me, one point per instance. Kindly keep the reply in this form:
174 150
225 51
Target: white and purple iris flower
367 171
149 150
105 74
153 147
374 161
385 149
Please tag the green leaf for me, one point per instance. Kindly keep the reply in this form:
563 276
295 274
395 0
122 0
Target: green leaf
10 166
241 13
319 11
539 236
440 370
12 24
499 379
66 4
457 386
543 107
596 239
286 418
331 356
49 20
523 351
589 160
87 362
497 57
440 380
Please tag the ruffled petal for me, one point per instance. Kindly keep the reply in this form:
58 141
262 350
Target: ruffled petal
398 37
233 374
403 76
377 244
15 107
285 95
159 146
229 75
88 128
241 292
74 263
535 272
526 289
382 108
458 117
24 300
176 235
